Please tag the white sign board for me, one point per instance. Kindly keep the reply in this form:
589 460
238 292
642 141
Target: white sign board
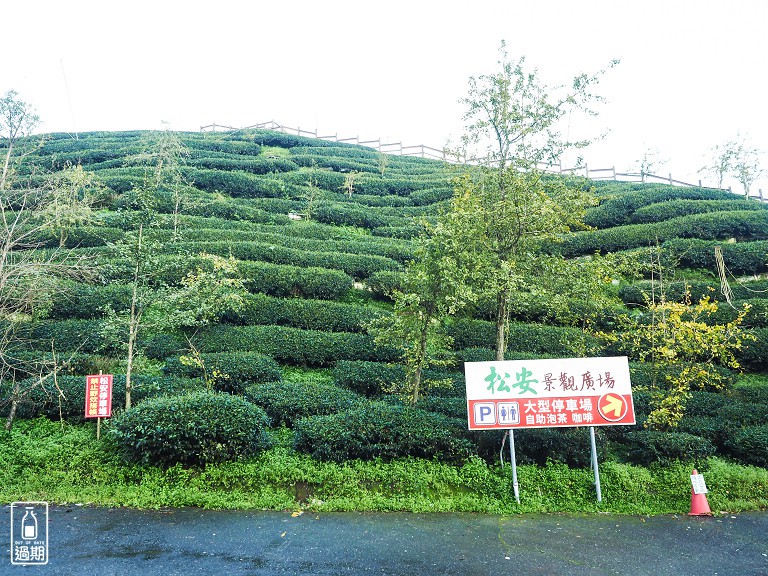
549 393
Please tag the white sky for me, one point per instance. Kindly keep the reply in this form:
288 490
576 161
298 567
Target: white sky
693 73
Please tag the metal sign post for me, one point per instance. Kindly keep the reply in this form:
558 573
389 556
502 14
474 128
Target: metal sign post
513 459
594 463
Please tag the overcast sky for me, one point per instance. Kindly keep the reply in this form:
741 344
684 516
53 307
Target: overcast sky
692 73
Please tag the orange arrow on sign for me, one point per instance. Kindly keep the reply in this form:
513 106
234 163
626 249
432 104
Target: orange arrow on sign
611 403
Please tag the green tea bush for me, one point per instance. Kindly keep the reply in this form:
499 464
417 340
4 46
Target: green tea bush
336 164
384 282
230 372
740 257
431 196
648 447
322 178
68 335
750 445
382 430
299 313
350 215
190 429
286 402
754 353
537 338
357 265
238 184
741 224
287 281
403 231
567 445
376 378
86 301
292 345
619 208
673 208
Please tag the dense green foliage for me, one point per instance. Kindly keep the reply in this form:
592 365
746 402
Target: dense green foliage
314 286
195 428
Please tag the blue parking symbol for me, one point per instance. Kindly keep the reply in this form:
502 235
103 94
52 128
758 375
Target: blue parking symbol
485 413
509 413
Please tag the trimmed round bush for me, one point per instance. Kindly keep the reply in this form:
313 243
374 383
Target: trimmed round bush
383 430
195 428
286 402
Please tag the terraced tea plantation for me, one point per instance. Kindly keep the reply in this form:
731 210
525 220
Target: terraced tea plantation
317 233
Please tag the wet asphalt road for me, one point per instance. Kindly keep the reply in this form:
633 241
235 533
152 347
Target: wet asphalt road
103 541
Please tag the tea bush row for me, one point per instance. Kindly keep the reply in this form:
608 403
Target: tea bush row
301 313
619 206
739 257
292 346
673 208
710 226
357 265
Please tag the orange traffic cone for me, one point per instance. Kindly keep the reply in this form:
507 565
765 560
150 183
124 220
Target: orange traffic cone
699 504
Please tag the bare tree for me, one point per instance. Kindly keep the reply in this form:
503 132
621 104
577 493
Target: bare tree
17 120
29 276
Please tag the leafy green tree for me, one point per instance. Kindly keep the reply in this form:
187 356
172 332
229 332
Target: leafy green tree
436 284
70 200
512 207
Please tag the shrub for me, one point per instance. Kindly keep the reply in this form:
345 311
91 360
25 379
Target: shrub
382 430
229 371
754 353
740 257
710 226
384 282
750 445
522 337
86 301
300 313
376 378
647 447
292 345
286 281
286 402
195 428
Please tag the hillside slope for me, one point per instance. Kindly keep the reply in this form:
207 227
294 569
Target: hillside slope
320 232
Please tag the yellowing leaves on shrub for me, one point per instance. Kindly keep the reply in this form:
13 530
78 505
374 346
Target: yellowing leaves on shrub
676 335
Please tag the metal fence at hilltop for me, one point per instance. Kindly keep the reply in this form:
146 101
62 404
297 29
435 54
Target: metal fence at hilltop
423 151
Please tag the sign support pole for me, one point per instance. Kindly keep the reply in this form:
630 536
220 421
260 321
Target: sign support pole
98 428
513 459
594 463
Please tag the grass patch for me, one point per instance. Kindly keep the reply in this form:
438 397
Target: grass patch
41 460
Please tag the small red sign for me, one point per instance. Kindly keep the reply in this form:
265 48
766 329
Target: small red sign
98 396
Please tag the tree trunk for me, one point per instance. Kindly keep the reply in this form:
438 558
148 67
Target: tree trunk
501 325
14 406
133 321
6 165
